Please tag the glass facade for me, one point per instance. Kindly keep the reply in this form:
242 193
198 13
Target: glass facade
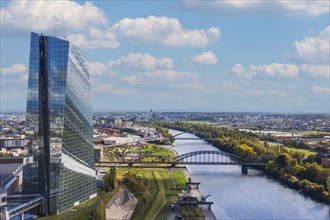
59 124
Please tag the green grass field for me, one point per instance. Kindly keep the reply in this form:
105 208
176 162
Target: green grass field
179 178
306 152
163 153
161 182
141 210
159 200
323 133
83 210
170 196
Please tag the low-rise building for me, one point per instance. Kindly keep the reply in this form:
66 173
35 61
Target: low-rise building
325 159
98 151
12 142
117 140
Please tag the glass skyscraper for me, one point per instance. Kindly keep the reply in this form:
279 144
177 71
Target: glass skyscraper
61 163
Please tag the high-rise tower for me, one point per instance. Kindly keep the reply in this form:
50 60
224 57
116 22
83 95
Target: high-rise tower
59 125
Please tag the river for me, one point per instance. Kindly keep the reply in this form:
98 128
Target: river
252 196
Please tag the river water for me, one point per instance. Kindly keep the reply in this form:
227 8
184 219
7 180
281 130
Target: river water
252 196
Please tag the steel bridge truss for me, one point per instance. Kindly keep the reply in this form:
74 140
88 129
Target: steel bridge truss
209 157
199 157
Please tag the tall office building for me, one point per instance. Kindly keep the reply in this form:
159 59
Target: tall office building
59 125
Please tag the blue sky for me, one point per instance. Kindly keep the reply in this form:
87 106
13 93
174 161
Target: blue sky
255 56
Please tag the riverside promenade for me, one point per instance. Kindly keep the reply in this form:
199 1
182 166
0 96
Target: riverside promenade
196 192
173 215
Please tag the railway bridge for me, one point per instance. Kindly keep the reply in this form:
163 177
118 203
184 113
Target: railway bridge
206 157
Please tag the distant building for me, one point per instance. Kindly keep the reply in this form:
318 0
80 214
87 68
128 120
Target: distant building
59 119
117 140
118 123
98 152
325 159
12 142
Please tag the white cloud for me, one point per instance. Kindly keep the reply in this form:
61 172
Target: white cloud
206 58
130 63
96 69
278 69
260 7
167 31
133 80
138 70
273 70
241 72
169 75
314 49
159 77
257 93
137 61
14 73
121 91
14 69
94 39
316 70
321 90
45 16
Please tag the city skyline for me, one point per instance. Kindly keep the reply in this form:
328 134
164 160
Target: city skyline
180 55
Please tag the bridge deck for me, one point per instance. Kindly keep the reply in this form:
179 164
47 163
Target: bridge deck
181 163
15 210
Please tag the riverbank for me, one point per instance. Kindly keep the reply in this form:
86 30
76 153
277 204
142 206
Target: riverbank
293 167
197 193
194 192
252 196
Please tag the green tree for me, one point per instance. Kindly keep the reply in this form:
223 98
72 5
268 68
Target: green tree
283 160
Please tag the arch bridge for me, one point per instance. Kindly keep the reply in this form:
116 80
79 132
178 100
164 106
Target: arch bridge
206 157
175 137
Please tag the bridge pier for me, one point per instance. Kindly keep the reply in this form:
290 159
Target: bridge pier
244 169
22 216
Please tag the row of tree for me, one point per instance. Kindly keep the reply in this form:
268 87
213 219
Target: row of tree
308 176
110 178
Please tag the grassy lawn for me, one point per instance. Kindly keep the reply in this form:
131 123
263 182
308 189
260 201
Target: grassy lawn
306 152
159 200
141 210
161 182
120 172
79 208
271 144
170 196
110 158
160 151
324 133
179 178
81 211
133 151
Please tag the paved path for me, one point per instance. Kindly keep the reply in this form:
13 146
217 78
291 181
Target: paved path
121 205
